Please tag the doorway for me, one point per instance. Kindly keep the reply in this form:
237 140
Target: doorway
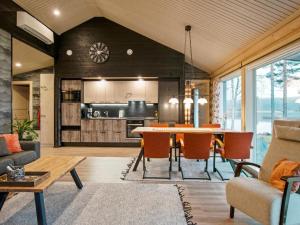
22 100
32 90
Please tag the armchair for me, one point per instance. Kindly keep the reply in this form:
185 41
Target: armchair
257 197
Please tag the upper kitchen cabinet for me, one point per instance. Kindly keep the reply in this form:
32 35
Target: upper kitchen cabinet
94 92
71 85
120 91
151 90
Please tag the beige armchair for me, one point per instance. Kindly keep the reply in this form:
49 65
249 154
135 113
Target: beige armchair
256 197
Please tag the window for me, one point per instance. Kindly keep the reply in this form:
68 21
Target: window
232 103
277 97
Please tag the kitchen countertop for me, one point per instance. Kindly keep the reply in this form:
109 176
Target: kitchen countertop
120 118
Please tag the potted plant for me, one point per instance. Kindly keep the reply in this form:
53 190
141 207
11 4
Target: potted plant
24 129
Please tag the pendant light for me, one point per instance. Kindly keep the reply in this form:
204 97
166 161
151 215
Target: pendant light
202 101
188 99
173 100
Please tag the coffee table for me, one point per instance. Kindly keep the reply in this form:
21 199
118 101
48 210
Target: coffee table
58 166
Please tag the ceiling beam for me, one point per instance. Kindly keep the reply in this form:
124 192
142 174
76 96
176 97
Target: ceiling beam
279 36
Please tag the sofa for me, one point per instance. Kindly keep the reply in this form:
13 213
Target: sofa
30 153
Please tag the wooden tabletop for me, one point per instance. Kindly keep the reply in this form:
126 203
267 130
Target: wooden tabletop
176 130
58 166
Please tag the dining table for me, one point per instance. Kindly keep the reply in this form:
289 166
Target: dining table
176 130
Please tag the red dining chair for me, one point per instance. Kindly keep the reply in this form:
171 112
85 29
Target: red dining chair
236 146
195 146
157 145
214 138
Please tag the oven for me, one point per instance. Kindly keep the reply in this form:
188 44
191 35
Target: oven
131 125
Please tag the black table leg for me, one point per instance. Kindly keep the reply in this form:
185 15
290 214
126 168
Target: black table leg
40 208
76 178
138 160
3 196
214 159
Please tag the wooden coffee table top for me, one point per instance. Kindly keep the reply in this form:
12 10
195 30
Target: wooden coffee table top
58 166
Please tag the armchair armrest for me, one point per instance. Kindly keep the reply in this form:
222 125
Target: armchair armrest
286 196
240 165
31 146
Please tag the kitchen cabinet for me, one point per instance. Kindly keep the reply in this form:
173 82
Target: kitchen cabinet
120 91
94 92
71 85
151 91
118 130
97 130
70 114
70 136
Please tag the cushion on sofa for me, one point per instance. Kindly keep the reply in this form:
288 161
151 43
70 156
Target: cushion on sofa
4 162
23 157
12 141
3 147
259 193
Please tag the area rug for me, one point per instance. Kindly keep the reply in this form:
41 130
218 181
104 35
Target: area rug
100 204
190 168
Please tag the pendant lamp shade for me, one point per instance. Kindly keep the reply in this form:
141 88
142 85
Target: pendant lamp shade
202 101
188 100
173 100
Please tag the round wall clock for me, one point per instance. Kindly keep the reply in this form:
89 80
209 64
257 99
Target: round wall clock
99 52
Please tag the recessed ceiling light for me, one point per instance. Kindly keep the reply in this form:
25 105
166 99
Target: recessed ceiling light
56 12
18 64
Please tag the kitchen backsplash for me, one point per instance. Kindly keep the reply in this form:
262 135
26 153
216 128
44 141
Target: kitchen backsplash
132 109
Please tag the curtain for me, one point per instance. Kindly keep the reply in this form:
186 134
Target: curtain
215 100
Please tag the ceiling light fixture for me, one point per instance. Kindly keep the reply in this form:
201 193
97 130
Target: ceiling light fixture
56 12
18 64
173 100
202 101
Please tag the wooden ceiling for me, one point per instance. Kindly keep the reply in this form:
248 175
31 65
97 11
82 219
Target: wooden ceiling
30 58
219 27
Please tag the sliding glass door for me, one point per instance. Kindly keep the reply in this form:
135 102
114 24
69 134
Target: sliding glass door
232 103
277 97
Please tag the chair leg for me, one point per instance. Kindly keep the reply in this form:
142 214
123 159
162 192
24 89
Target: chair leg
206 169
170 169
179 166
144 166
148 159
231 212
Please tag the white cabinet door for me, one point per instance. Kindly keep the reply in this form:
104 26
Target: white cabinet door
94 92
151 90
135 90
109 91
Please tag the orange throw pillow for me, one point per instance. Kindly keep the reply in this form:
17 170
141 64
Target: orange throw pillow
285 168
12 141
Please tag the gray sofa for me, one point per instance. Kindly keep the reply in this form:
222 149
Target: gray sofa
30 153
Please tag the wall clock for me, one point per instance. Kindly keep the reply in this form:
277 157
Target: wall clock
99 52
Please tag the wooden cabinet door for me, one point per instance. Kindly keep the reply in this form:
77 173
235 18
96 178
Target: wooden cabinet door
70 114
71 85
119 92
119 131
94 92
70 136
134 90
151 92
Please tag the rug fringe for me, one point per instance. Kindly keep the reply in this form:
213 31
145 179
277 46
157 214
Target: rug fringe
126 171
187 208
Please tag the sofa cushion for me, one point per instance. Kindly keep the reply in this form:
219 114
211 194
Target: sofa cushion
23 158
12 141
3 147
4 162
247 194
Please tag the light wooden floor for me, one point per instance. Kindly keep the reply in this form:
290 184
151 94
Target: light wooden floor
207 199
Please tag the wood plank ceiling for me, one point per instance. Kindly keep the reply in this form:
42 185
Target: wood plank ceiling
219 27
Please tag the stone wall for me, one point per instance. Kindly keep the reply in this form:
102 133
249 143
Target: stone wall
5 82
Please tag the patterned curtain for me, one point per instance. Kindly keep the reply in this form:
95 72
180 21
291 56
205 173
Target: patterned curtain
215 91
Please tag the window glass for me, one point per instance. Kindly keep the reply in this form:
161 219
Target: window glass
277 97
232 103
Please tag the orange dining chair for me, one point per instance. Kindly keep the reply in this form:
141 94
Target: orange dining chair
159 125
195 146
236 146
157 145
211 125
180 136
